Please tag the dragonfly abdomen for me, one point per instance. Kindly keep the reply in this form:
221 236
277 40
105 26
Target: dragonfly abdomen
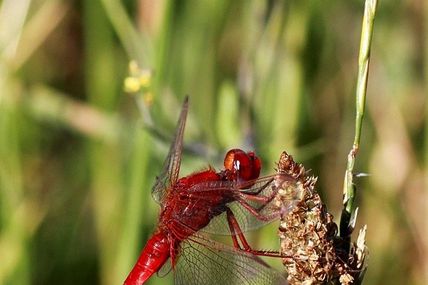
153 256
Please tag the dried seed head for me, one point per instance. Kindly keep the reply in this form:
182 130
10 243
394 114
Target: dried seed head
308 234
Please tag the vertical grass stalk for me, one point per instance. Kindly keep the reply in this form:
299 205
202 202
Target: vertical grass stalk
349 211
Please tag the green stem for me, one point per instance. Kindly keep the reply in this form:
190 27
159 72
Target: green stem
347 220
137 44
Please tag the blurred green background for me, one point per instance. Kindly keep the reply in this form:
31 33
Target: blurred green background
77 161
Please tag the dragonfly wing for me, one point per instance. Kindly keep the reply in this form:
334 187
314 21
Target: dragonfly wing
203 261
171 166
266 186
246 221
165 269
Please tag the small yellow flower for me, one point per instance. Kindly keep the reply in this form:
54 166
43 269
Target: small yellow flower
132 85
138 79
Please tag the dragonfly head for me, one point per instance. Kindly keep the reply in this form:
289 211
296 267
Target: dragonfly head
242 165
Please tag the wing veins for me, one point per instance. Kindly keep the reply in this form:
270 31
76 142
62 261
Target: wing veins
171 166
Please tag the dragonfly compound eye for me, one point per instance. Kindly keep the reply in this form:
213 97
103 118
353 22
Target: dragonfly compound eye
256 165
245 166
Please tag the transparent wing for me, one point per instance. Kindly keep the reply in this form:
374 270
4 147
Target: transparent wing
171 166
203 261
165 269
253 193
247 222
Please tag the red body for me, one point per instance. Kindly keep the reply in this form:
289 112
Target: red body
153 256
188 208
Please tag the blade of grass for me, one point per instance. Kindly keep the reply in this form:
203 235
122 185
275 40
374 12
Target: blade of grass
38 28
137 44
14 238
14 234
48 104
135 204
425 266
12 17
102 85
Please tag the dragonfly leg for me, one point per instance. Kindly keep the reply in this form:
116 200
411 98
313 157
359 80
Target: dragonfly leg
236 231
259 190
261 198
256 211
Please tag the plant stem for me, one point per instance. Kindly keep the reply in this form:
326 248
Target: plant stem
137 44
349 212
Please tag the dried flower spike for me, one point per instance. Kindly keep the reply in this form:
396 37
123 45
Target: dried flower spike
308 236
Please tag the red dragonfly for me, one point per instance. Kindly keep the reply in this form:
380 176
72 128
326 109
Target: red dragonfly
225 202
